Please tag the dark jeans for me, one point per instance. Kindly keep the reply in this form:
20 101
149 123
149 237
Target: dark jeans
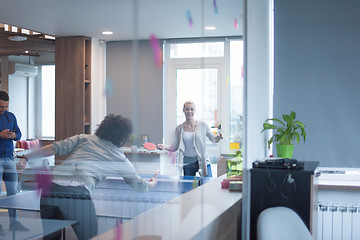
191 166
70 203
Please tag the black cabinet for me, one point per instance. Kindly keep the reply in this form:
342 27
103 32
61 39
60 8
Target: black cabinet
282 187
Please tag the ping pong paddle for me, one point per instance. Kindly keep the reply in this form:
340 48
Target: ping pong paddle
150 146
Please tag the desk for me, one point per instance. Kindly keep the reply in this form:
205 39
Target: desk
206 212
270 188
30 201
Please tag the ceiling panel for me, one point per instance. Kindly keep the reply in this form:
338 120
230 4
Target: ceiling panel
128 19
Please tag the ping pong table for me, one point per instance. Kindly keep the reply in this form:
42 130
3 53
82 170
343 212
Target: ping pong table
113 197
116 201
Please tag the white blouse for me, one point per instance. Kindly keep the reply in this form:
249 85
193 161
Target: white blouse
188 138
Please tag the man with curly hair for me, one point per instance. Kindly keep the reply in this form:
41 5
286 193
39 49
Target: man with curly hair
91 159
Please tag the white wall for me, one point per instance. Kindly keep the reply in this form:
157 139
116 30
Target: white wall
317 59
18 103
135 86
22 104
257 95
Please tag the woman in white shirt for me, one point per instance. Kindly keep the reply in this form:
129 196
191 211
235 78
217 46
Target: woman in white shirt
190 137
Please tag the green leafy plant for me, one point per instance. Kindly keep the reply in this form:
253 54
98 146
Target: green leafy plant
133 139
288 130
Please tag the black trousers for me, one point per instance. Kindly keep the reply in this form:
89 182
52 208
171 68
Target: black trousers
70 203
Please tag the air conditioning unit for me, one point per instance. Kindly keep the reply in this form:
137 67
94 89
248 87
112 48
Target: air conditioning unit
21 69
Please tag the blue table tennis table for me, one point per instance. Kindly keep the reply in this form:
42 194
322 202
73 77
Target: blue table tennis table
113 197
115 200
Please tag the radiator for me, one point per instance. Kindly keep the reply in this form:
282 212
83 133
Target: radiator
338 222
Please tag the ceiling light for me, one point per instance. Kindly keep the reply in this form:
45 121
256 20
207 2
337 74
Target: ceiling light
107 33
26 51
209 28
17 38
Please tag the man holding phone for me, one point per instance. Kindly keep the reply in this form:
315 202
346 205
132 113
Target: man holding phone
9 132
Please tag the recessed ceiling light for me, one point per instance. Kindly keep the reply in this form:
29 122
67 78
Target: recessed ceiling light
17 38
49 37
209 28
107 33
26 51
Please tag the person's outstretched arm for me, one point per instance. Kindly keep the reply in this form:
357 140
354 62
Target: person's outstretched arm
45 151
175 142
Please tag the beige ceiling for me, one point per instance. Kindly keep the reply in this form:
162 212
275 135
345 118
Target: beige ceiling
128 19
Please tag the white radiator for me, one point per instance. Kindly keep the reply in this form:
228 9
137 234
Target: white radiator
338 222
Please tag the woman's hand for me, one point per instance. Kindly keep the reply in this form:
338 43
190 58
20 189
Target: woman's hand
161 147
153 181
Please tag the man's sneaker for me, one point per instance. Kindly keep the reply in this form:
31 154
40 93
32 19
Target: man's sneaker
2 232
17 226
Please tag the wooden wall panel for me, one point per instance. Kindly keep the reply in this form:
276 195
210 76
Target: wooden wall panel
70 86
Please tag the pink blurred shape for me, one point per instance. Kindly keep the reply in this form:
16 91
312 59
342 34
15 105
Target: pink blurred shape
118 232
189 18
215 7
43 178
154 42
172 155
236 26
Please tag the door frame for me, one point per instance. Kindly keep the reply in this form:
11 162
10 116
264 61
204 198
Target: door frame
219 63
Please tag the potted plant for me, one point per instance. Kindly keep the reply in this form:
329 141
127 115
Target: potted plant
288 131
133 142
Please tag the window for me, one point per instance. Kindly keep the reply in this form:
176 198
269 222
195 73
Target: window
197 50
189 81
47 112
236 96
